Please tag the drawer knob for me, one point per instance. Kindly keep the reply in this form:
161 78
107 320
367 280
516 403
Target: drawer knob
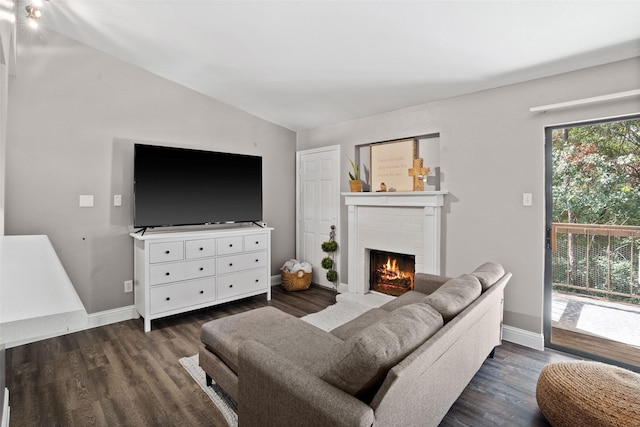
257 280
201 292
202 249
230 245
257 243
168 298
230 264
257 260
167 273
167 252
201 268
231 286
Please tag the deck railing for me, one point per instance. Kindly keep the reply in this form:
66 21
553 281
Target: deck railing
597 259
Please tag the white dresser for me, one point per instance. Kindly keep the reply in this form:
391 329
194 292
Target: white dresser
182 271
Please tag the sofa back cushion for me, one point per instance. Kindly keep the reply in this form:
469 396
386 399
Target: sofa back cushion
488 274
367 356
454 296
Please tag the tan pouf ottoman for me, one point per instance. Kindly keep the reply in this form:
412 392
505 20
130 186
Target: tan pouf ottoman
588 394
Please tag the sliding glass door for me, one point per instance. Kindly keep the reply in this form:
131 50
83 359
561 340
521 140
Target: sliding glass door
592 292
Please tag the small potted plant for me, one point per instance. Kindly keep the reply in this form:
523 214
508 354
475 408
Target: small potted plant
354 177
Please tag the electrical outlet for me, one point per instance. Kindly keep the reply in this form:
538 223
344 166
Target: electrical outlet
86 201
128 285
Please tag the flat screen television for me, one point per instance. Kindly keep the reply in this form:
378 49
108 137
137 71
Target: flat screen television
178 186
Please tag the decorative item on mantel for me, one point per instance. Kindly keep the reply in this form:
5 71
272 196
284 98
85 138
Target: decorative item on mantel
328 262
419 174
354 183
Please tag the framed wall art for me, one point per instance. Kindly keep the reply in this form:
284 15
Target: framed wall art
390 163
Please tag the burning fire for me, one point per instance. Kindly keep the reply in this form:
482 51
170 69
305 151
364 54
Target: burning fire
391 271
393 277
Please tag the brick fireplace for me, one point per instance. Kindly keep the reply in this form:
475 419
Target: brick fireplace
405 223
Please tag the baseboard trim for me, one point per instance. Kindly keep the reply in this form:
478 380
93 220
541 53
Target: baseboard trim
276 280
5 409
107 317
94 320
523 337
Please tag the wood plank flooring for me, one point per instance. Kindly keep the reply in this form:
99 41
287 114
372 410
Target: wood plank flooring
117 375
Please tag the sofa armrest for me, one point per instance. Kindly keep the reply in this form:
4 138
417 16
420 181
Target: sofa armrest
428 283
275 391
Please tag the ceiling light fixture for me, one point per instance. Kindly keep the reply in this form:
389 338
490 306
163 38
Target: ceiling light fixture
34 13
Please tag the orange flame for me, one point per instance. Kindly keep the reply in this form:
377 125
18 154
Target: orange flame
391 271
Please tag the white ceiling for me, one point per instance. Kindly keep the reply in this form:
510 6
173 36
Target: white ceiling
306 64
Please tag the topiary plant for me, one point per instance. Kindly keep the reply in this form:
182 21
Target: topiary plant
332 276
329 246
328 262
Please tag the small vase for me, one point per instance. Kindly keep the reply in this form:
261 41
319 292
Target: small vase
356 185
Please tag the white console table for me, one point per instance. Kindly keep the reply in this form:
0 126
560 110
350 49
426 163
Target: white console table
175 272
37 299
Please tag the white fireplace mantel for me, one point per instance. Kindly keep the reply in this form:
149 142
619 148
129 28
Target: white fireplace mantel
404 222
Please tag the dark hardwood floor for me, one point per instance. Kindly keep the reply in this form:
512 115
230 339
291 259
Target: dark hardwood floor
117 375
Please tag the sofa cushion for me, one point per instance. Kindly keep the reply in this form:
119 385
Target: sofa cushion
428 283
454 296
361 322
410 297
284 334
488 274
367 356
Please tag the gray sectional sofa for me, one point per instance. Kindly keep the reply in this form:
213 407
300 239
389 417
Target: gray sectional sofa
402 364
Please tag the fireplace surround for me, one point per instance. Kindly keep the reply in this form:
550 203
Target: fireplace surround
402 222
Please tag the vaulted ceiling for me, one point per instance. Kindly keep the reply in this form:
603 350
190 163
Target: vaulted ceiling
306 64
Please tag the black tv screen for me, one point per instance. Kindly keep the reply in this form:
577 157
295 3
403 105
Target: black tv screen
177 186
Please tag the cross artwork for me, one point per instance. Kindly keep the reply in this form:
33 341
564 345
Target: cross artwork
418 172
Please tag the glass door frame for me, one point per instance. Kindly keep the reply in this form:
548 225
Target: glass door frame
548 285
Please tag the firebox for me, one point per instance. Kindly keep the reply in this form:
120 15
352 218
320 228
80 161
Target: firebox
391 273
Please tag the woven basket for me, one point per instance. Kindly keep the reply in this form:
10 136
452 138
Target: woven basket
297 281
588 394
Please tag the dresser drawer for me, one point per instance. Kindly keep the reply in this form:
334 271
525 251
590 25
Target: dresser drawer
229 245
242 283
172 272
256 242
200 248
229 264
180 295
166 251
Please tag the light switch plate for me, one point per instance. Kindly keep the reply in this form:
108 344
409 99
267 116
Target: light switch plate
527 199
117 200
86 201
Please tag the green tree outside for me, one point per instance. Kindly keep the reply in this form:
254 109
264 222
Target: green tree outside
596 174
596 180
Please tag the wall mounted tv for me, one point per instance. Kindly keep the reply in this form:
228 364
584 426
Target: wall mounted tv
178 186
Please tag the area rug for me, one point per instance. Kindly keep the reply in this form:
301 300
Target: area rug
331 317
336 314
227 406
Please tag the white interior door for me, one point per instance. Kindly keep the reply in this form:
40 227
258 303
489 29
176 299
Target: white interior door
318 205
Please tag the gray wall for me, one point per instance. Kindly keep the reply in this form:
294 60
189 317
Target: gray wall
7 66
74 115
492 151
7 63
